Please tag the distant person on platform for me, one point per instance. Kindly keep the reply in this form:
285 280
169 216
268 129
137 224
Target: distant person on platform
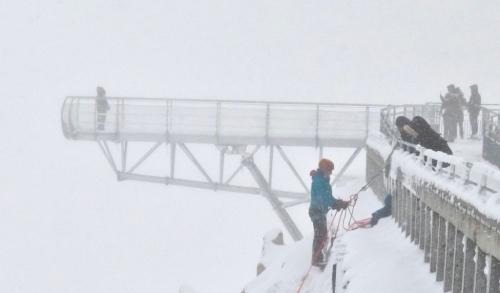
321 201
462 104
450 108
102 107
474 106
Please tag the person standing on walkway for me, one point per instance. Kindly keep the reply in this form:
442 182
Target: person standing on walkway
449 112
102 107
474 106
321 201
462 102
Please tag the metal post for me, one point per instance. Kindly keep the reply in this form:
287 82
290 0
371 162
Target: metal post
268 121
480 282
428 235
402 205
273 200
408 211
449 261
421 226
414 213
221 167
441 250
317 126
271 161
458 267
395 207
217 122
416 234
124 146
172 160
494 276
117 135
367 120
469 266
434 241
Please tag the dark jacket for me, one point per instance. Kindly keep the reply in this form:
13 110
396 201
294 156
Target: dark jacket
102 104
474 101
451 106
429 139
402 121
321 195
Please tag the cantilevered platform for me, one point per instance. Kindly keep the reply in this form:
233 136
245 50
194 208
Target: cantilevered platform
220 122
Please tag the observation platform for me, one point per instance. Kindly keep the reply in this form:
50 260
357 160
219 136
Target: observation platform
220 122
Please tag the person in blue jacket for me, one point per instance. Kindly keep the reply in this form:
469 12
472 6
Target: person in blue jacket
321 201
386 211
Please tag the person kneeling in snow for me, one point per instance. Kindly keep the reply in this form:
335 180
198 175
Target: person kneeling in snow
386 211
321 200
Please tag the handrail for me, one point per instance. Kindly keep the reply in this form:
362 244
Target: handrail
425 156
215 121
227 101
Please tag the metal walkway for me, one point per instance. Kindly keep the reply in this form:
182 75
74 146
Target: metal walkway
220 122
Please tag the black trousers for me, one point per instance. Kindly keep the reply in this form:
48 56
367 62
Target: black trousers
450 128
320 231
473 122
101 120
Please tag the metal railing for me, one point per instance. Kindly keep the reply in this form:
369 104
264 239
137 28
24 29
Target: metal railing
491 133
219 122
460 241
458 168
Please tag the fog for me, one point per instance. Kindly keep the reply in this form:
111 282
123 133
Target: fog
62 213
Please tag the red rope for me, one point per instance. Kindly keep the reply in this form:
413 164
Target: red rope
352 202
321 248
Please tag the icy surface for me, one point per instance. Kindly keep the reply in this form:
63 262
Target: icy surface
379 259
486 203
66 224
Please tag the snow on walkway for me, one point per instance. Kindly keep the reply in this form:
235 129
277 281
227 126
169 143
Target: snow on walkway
378 260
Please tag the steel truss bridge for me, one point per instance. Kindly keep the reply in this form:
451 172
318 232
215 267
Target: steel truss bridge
236 128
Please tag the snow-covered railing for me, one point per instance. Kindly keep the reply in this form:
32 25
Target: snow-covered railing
455 223
219 122
456 167
430 112
491 133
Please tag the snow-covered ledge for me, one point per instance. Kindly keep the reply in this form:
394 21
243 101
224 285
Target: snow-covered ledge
474 210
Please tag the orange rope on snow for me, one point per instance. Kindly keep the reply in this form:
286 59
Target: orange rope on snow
321 247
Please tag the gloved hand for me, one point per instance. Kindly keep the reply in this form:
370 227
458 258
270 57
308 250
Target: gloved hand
340 204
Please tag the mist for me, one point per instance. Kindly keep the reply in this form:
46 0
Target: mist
68 226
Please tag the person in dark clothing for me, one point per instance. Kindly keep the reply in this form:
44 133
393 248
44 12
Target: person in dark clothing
401 122
450 110
386 211
321 201
102 107
462 102
474 106
428 138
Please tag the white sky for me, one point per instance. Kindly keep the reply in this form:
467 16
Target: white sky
321 51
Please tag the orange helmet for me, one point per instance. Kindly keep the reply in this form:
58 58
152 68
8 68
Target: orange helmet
326 165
